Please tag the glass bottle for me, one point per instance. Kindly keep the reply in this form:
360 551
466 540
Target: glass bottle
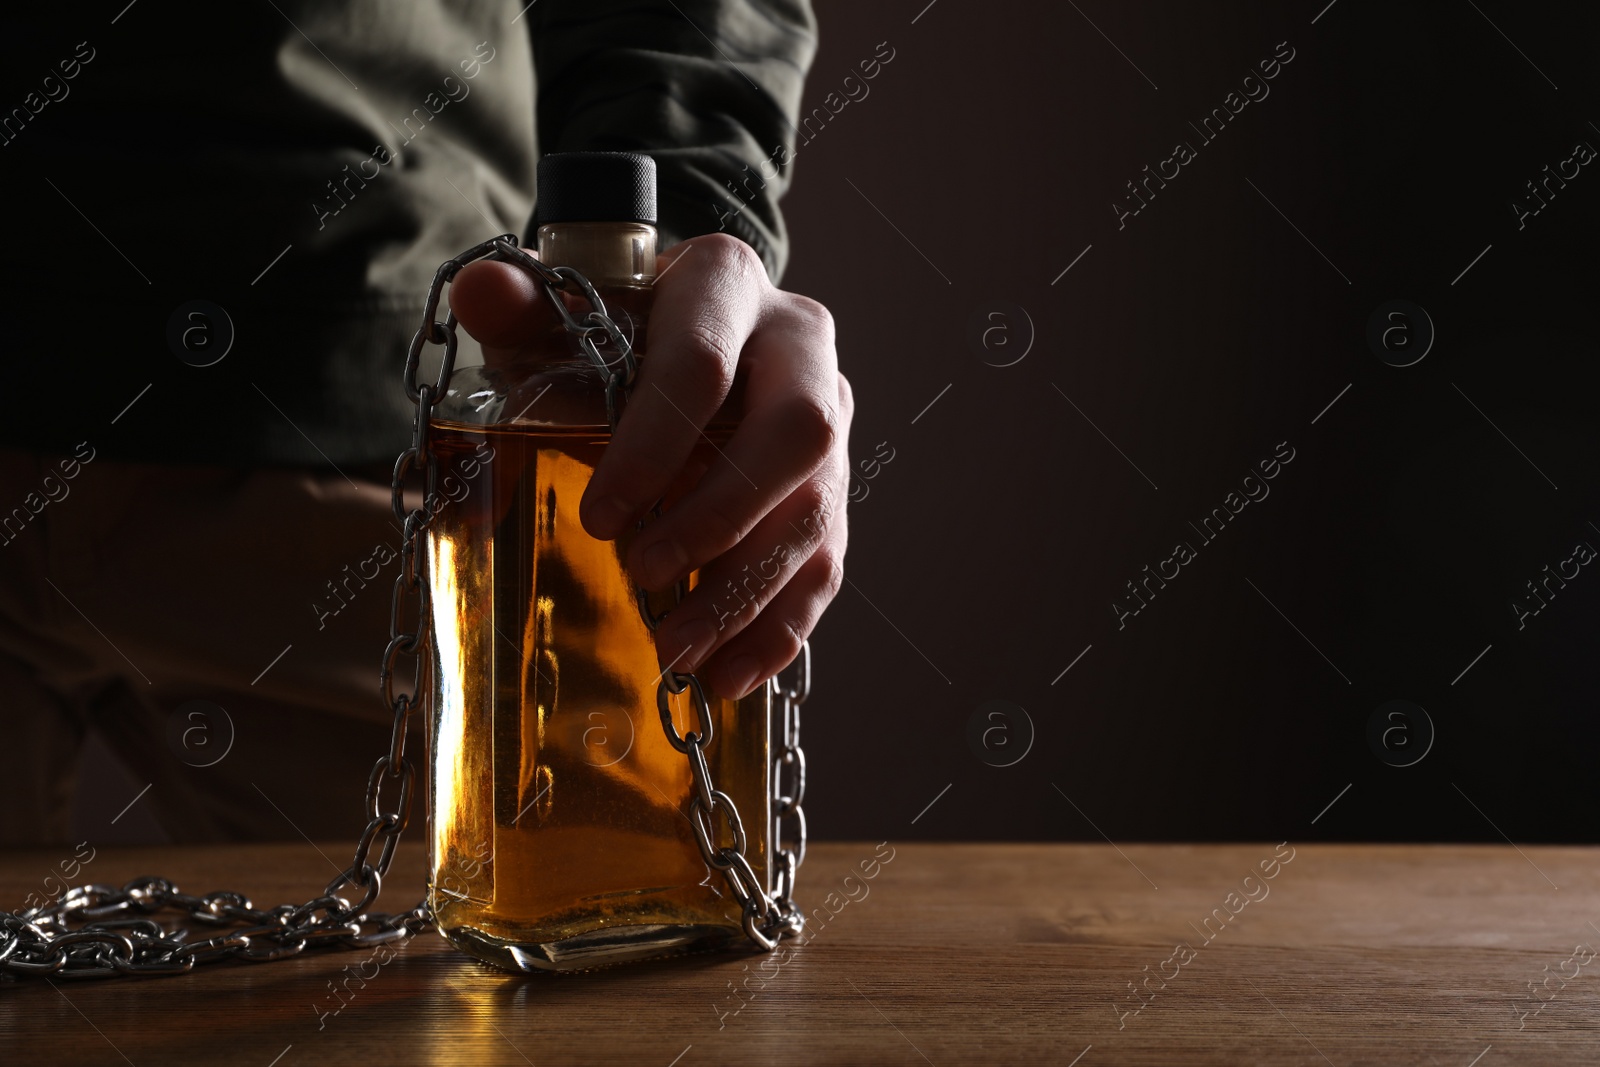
558 834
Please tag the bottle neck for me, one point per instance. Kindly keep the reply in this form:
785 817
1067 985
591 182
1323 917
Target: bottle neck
607 253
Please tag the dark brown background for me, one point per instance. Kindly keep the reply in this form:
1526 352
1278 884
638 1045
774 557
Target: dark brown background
986 555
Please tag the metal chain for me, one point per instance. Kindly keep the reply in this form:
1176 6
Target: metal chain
789 790
117 935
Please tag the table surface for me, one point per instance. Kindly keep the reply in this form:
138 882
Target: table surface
950 954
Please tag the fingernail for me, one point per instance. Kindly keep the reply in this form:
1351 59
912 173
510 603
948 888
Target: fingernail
608 517
693 638
741 674
663 561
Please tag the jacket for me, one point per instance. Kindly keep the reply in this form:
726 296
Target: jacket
305 165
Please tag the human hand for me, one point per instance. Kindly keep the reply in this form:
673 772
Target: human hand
765 523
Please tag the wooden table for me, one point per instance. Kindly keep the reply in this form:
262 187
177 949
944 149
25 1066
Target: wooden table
951 954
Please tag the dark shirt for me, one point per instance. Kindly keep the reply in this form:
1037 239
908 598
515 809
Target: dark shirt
306 165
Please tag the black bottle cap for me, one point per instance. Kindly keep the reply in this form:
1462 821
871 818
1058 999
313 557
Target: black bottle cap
596 187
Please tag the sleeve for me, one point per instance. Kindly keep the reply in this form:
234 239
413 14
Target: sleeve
709 88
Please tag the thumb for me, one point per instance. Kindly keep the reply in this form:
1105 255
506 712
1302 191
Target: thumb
501 306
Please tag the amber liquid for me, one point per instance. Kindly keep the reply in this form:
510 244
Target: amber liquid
559 838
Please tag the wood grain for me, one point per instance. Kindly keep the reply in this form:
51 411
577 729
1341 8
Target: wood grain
950 954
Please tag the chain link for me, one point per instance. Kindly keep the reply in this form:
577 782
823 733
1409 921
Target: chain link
789 789
117 937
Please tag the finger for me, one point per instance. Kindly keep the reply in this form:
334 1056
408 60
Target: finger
693 471
706 305
790 426
768 641
730 593
772 641
501 306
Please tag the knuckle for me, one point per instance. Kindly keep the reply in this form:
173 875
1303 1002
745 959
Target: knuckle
831 562
736 255
816 423
843 472
847 397
839 535
708 356
814 314
816 496
791 637
723 530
